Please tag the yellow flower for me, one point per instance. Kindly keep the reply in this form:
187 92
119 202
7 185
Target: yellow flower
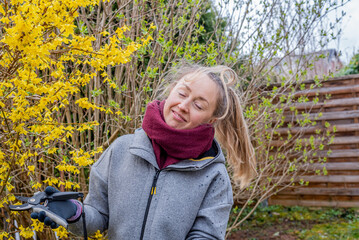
9 187
36 185
26 232
51 181
4 235
37 225
52 150
68 185
98 235
31 168
61 232
11 197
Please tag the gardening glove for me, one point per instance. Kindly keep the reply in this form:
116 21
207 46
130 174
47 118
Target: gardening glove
70 210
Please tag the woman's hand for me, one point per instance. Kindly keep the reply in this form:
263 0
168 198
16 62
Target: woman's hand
58 212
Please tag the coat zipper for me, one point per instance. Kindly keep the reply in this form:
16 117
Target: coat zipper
153 192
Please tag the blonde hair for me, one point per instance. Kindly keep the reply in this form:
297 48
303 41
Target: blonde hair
231 128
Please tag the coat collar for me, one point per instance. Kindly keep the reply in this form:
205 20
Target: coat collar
141 146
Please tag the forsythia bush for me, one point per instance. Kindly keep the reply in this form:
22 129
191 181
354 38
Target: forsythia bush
44 62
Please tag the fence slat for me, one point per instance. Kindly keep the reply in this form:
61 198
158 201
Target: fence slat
327 104
332 166
340 128
328 90
336 141
325 116
321 191
329 178
313 203
339 153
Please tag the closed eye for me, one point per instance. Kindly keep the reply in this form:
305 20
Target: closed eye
198 106
181 94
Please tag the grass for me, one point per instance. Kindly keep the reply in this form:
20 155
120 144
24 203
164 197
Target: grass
300 223
336 230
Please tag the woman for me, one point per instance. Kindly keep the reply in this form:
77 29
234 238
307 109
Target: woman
168 180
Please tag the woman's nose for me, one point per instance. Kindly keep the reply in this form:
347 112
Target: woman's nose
183 106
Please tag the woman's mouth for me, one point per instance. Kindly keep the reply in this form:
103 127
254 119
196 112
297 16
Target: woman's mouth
178 116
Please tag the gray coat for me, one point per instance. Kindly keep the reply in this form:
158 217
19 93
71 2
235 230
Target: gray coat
130 197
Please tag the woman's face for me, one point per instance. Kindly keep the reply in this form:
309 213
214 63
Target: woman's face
191 103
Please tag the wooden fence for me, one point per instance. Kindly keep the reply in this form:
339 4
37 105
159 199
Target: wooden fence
340 186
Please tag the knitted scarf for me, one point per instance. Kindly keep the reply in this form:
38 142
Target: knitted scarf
172 145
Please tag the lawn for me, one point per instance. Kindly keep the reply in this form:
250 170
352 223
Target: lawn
289 223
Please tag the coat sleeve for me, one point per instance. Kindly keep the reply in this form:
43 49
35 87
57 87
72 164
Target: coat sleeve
96 202
212 217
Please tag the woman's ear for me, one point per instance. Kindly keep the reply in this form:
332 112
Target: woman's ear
212 121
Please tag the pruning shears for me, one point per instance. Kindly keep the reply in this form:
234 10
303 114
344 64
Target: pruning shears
39 201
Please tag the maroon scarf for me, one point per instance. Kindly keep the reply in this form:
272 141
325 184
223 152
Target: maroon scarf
172 145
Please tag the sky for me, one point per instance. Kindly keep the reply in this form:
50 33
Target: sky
348 43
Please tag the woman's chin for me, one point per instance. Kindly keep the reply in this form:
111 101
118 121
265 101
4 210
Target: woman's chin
176 125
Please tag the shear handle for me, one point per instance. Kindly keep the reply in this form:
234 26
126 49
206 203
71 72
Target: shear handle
54 217
59 196
22 207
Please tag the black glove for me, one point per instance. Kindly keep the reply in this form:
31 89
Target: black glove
65 209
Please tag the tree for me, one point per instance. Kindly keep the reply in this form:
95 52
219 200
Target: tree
72 81
259 36
352 67
44 66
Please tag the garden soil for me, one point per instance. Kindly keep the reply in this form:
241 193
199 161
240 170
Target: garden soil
287 230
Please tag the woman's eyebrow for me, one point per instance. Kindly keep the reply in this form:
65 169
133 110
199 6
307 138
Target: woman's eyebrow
188 88
200 98
203 99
